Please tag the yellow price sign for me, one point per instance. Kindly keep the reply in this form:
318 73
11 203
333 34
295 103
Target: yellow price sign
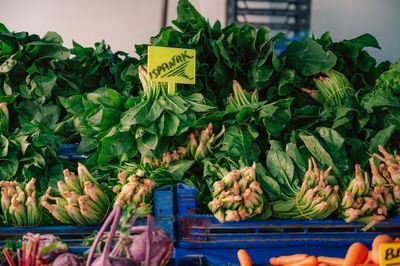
171 65
389 254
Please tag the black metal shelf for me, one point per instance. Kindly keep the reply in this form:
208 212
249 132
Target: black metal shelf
293 15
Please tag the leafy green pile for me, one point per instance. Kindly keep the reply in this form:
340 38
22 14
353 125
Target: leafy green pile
390 80
29 152
225 54
40 84
35 71
319 98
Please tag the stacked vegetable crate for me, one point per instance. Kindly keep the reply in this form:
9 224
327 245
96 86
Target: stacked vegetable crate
73 236
204 235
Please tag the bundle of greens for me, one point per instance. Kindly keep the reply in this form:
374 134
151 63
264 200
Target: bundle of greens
4 117
28 151
332 87
237 196
19 204
366 202
153 119
316 199
387 175
240 98
168 158
81 200
135 190
241 53
93 116
35 70
28 75
201 144
353 60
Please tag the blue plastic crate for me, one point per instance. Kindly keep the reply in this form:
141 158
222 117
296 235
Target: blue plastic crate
259 256
186 199
69 152
74 235
205 231
166 223
163 201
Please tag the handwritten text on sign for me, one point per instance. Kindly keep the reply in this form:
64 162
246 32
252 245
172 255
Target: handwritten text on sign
389 254
175 65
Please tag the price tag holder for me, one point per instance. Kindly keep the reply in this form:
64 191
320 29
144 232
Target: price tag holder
389 254
171 65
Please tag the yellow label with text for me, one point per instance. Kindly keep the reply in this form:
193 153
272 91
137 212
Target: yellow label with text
173 65
389 254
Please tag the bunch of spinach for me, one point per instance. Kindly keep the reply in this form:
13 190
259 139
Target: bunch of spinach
156 119
240 53
30 151
35 71
28 75
93 116
353 60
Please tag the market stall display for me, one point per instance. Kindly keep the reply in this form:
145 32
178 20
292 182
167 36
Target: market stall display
309 134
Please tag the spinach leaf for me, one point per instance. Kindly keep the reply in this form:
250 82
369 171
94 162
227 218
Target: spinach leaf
308 57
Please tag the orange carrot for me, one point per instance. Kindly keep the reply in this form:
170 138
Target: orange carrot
380 239
244 258
309 261
356 254
332 261
283 260
323 264
369 259
368 264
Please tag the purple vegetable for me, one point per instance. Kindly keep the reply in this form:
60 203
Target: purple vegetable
153 246
49 257
161 245
68 259
44 239
105 259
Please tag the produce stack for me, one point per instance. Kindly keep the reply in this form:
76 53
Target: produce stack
240 98
372 201
19 204
81 201
168 158
315 200
331 88
365 202
124 120
237 196
201 144
135 191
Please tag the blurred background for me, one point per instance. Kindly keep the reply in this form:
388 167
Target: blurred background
123 23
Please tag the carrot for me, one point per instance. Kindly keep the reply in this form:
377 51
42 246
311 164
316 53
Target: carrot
368 264
369 259
396 240
283 260
309 261
323 264
332 261
244 258
356 254
380 239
